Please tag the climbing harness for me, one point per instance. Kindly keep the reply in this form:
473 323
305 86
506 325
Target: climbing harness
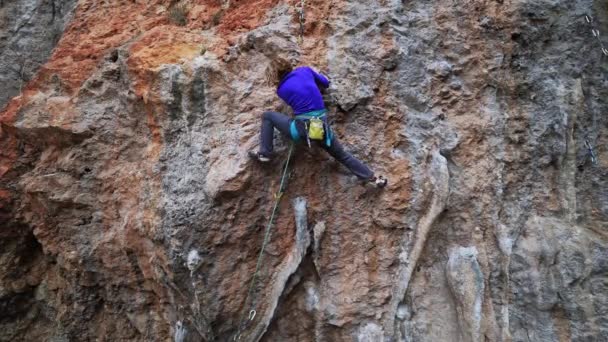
302 20
277 196
596 34
315 124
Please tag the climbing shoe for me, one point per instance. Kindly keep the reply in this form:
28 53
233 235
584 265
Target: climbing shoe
259 157
379 182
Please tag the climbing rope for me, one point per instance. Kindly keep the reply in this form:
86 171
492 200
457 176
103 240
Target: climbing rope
302 20
278 196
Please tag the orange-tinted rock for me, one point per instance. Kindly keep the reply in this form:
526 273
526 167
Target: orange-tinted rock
129 209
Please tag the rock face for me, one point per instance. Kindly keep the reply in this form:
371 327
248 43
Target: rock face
129 209
29 31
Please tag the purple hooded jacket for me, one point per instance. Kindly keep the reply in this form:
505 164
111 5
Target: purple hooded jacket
300 89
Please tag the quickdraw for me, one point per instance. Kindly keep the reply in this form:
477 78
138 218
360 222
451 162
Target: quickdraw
596 33
591 153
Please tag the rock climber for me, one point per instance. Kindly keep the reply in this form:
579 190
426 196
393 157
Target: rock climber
301 89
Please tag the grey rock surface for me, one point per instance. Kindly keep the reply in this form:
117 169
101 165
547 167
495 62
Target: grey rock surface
466 282
29 30
130 210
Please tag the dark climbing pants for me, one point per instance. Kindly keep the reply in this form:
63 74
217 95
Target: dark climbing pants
271 120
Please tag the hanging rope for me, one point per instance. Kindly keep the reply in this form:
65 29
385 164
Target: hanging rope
302 20
278 196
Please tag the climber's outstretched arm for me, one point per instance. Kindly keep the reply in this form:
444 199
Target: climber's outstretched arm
321 80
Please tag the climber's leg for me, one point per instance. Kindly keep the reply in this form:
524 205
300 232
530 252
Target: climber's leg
357 167
270 121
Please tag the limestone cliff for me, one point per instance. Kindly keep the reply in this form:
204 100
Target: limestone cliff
129 210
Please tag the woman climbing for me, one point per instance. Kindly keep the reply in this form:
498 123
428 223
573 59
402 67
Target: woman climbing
301 89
